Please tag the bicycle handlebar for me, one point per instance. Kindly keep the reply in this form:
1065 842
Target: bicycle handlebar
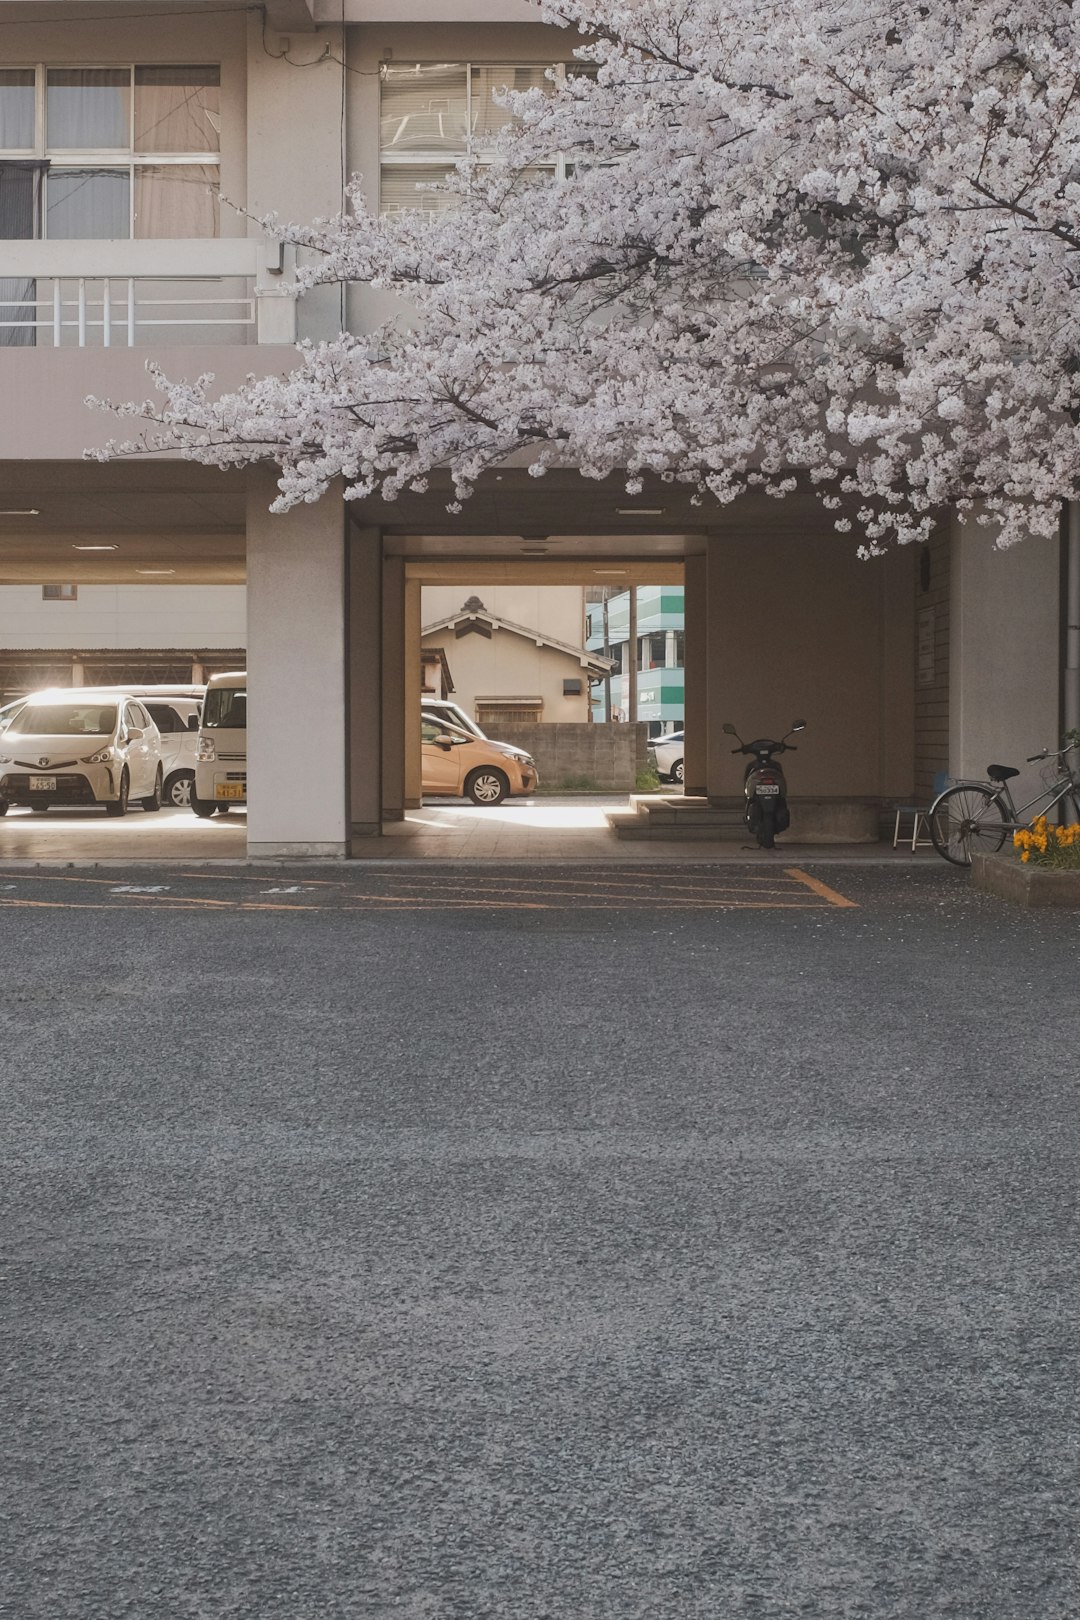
1059 753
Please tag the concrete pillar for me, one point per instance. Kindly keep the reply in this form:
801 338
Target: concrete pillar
695 675
296 674
364 642
393 689
1004 654
413 682
719 777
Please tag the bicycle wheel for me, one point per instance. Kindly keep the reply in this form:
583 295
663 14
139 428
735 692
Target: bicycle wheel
966 819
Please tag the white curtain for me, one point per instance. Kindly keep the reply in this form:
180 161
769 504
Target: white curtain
88 109
177 199
177 109
88 204
424 107
16 109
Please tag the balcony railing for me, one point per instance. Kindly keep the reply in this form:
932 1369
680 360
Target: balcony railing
123 294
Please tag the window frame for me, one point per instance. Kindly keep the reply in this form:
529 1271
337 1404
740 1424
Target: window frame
118 160
431 158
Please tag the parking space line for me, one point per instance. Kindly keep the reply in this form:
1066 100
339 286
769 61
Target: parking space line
823 889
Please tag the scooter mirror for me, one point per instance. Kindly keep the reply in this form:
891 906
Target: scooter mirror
729 728
799 725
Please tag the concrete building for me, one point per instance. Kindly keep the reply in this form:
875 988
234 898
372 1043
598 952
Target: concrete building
660 689
60 633
516 656
119 137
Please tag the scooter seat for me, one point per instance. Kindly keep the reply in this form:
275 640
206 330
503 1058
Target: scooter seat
1001 773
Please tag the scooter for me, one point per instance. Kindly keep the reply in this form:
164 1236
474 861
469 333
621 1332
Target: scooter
766 812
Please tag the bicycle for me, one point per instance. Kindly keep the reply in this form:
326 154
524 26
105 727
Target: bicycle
972 816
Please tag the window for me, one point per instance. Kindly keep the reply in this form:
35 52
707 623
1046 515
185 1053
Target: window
128 151
653 651
226 706
433 113
59 593
165 718
493 714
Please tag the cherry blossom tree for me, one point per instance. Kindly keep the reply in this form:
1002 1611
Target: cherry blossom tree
815 244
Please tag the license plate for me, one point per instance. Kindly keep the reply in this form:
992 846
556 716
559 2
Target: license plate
766 790
43 784
230 790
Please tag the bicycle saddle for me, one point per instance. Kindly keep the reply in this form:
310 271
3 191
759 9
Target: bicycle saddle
1001 773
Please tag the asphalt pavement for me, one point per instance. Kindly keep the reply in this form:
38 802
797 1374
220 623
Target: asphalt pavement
507 1245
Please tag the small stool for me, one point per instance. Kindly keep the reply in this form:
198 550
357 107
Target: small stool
920 814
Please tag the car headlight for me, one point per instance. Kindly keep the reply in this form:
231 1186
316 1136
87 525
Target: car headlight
102 757
6 759
206 751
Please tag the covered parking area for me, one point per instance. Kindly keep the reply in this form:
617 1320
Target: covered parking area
901 666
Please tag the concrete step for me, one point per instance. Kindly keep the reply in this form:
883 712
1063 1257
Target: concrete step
818 820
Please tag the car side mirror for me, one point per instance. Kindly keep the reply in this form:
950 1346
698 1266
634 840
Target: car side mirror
135 734
193 722
443 741
729 728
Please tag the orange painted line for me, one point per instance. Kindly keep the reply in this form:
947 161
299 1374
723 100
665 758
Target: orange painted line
818 887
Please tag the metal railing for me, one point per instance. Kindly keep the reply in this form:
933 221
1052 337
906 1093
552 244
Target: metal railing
119 310
117 294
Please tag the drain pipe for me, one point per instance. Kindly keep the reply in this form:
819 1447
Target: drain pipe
1071 693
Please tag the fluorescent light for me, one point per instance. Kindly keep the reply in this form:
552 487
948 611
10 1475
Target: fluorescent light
19 511
93 548
622 572
155 570
641 511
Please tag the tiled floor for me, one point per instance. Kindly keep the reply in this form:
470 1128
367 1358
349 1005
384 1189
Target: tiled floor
569 828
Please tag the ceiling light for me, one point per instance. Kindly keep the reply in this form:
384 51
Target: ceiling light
622 572
19 511
640 511
93 548
155 570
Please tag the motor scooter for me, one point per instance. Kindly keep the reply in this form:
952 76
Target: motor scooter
766 812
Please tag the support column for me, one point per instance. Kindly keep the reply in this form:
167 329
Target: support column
695 675
365 682
1004 654
393 689
413 682
296 674
720 779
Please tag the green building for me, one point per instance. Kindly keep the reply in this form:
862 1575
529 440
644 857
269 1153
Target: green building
659 654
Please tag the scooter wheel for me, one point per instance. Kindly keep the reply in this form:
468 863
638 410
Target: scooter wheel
766 832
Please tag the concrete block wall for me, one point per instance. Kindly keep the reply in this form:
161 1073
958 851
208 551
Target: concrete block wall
610 756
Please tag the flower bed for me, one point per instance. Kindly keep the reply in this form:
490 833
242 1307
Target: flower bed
1052 849
1027 882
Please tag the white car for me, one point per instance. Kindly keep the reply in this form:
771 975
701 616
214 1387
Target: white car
81 747
668 754
177 720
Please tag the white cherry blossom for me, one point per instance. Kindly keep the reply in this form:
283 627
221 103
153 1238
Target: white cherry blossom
818 244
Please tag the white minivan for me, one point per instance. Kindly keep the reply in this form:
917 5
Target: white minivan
221 753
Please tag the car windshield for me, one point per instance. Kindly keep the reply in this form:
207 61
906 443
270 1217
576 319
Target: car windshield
64 720
450 715
226 707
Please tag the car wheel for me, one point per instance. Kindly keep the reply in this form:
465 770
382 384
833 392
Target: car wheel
203 808
222 809
487 786
178 789
3 807
118 806
677 772
154 801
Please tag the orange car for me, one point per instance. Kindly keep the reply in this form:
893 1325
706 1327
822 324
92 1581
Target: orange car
457 764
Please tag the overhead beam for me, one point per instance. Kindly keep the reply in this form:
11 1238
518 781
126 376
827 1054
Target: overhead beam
290 16
553 571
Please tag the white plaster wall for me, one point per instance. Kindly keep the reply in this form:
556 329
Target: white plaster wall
553 610
1004 664
296 676
149 616
509 666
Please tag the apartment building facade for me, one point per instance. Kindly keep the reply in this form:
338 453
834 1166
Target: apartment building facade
139 147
